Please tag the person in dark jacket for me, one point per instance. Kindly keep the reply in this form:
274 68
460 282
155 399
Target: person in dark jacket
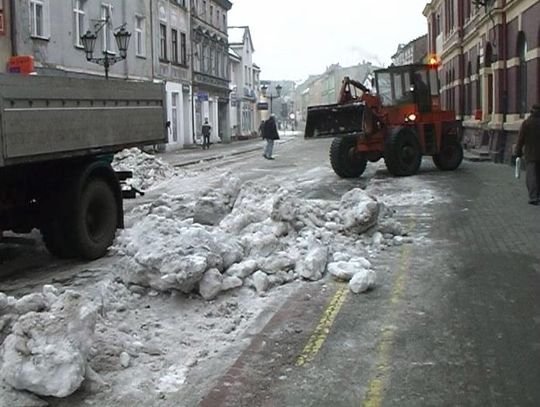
270 133
206 129
529 138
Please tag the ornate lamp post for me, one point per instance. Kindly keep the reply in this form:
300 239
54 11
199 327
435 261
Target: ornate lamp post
89 42
264 91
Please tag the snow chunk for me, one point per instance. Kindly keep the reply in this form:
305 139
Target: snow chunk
3 302
31 302
280 261
230 283
125 360
261 281
243 269
168 254
346 270
360 211
362 281
313 265
46 352
211 284
148 170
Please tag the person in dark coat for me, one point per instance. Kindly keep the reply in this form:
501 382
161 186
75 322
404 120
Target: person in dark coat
270 133
529 138
206 129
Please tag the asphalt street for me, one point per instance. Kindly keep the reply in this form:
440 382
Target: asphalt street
454 320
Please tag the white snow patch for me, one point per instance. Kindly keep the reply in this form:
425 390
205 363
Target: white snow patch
173 380
148 170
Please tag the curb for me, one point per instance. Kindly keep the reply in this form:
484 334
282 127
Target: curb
214 157
220 156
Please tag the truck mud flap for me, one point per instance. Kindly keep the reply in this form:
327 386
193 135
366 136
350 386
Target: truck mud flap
334 120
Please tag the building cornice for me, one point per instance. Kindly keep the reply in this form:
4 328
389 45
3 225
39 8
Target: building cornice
226 4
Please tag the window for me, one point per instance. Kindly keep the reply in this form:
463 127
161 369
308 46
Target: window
203 13
211 14
140 36
224 22
78 17
218 18
106 14
39 20
163 42
183 49
174 46
384 88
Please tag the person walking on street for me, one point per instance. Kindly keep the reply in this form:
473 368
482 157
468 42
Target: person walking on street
206 129
529 138
270 134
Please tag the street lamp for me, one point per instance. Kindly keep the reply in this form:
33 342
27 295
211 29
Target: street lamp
89 42
264 91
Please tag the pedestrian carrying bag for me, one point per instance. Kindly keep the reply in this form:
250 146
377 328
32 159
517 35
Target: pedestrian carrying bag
517 168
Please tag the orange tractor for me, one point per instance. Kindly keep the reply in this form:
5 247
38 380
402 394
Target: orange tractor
401 123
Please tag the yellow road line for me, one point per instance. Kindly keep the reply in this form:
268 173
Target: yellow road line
322 330
375 393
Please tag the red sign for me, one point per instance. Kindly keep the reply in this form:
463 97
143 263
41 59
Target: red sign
23 64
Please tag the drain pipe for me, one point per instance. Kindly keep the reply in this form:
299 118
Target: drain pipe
13 27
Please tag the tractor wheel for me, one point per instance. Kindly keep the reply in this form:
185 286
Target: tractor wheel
346 161
403 154
450 156
94 220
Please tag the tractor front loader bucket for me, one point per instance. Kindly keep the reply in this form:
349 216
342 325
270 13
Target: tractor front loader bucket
334 120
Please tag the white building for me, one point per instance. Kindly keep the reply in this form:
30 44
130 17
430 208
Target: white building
171 65
244 82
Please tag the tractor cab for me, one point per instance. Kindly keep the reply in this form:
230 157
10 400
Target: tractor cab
399 86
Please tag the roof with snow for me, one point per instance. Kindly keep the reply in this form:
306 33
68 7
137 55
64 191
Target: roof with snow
234 54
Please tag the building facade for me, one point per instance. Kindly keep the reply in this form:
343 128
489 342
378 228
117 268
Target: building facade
210 66
50 32
182 43
244 77
414 52
489 53
170 63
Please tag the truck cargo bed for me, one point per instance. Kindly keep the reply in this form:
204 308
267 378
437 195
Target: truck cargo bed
46 118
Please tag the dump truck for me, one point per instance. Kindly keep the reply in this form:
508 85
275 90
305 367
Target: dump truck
58 137
401 122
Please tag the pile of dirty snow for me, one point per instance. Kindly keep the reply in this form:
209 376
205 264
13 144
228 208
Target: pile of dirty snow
45 339
257 235
148 170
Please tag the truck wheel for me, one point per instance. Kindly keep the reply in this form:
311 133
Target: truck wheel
403 153
95 219
54 238
346 161
450 156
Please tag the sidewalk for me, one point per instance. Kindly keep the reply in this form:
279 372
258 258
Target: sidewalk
195 154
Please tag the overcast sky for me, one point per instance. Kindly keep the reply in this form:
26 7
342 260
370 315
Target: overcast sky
296 38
